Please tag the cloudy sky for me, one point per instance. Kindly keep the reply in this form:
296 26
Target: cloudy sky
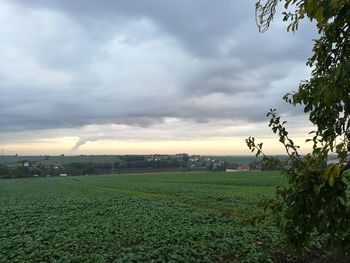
164 76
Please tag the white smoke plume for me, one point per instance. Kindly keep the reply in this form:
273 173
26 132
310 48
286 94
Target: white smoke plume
82 141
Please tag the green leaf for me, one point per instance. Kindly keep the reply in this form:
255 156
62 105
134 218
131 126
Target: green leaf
317 189
330 173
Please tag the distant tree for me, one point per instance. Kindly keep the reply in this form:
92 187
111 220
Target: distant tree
20 171
316 199
89 168
183 160
233 166
5 172
119 164
35 171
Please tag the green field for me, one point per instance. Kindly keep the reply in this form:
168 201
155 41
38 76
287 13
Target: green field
168 217
12 159
243 159
239 159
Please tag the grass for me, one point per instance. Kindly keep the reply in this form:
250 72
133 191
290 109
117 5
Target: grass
167 217
11 159
239 159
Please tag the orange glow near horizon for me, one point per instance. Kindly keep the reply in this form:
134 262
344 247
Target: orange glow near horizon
232 146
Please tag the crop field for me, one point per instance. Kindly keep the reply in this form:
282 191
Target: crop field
11 159
163 217
239 159
243 159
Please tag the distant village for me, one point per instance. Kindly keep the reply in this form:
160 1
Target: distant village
48 166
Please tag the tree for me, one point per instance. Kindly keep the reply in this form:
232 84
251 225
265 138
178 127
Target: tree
315 199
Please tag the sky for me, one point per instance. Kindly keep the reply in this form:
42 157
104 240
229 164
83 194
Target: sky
138 77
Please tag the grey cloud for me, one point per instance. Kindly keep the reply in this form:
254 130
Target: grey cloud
200 26
140 62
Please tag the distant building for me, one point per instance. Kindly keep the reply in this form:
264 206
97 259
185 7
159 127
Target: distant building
231 170
11 165
243 168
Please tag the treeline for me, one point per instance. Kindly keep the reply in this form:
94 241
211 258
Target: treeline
31 169
40 170
127 163
135 161
18 171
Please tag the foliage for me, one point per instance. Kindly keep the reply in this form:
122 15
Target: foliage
237 159
173 217
105 164
315 198
45 159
